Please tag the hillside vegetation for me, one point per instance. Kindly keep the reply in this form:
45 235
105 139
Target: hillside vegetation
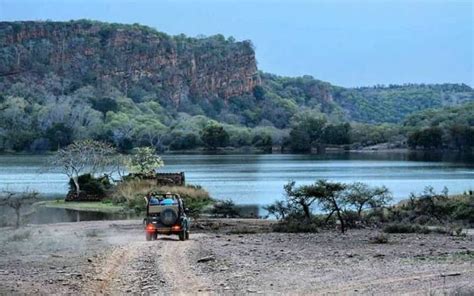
131 85
449 127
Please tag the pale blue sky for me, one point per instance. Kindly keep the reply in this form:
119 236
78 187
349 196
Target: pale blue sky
348 43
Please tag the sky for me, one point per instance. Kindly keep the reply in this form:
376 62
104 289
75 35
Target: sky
345 42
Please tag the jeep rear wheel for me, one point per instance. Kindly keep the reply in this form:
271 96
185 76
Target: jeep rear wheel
182 235
148 236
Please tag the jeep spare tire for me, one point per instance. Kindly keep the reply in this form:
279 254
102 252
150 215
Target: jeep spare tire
168 217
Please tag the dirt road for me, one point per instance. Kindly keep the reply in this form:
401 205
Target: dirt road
113 258
148 267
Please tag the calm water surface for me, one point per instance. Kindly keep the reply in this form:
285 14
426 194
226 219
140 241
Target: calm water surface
259 179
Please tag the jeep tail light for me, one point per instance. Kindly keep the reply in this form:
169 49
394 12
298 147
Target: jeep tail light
150 227
176 228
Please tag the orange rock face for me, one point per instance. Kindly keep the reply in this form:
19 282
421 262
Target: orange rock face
129 55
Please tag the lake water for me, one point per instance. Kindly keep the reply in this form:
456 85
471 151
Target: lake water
259 179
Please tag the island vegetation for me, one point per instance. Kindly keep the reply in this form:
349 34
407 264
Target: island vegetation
99 173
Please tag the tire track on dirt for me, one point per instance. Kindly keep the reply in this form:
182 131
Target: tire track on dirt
177 263
156 267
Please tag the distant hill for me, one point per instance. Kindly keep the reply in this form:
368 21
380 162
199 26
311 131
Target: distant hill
393 103
132 85
376 104
462 115
135 59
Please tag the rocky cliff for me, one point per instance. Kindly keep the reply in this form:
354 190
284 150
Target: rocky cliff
124 56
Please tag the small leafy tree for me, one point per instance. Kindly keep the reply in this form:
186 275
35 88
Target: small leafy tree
361 196
429 204
144 160
327 194
330 197
297 197
280 209
17 200
83 157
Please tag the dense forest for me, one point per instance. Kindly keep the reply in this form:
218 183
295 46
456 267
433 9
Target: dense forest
131 85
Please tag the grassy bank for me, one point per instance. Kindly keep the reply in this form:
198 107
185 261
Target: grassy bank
104 207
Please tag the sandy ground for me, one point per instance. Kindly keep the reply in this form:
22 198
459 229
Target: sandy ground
113 258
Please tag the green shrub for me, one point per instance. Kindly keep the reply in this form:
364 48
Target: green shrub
406 228
296 222
434 209
132 193
225 209
462 209
91 185
294 226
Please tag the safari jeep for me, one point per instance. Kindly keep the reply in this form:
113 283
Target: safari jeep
165 214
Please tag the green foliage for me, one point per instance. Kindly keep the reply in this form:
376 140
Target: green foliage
392 103
91 185
225 209
367 134
360 197
259 93
426 138
214 135
338 134
182 141
430 207
450 127
357 204
263 140
462 115
406 228
307 129
280 209
144 160
105 105
59 135
311 128
295 225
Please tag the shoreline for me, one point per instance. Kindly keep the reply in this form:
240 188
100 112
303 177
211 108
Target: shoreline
257 151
